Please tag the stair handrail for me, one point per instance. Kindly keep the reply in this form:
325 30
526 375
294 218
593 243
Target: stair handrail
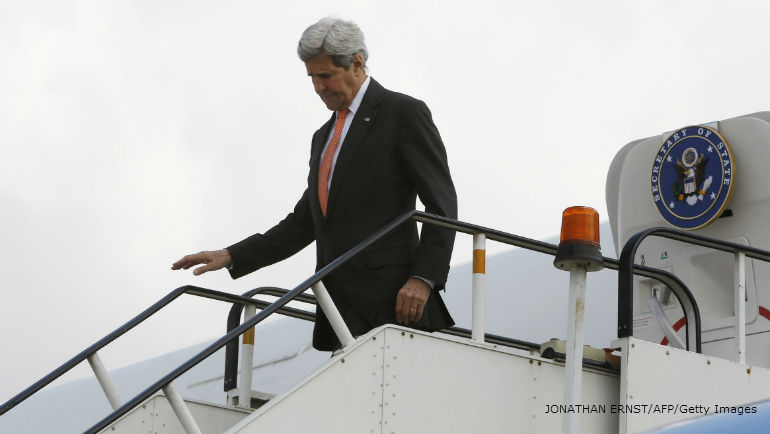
144 315
626 280
680 290
249 323
418 216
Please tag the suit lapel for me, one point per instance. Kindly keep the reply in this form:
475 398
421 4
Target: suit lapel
362 121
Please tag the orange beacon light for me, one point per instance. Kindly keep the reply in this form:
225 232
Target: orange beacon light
579 241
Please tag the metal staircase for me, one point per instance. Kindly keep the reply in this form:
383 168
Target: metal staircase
393 379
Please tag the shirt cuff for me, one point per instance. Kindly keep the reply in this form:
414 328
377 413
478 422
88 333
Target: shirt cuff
428 281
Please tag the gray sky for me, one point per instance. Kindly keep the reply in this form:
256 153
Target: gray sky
135 132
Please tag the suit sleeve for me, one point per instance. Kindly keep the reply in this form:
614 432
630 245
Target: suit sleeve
424 158
283 240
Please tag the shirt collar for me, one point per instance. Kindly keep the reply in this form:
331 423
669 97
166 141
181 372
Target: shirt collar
353 107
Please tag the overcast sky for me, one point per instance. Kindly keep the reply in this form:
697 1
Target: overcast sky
134 132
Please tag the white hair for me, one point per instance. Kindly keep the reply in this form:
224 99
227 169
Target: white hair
337 38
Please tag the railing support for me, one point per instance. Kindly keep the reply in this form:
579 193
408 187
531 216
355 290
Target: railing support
573 365
247 360
104 380
332 314
181 410
740 305
479 286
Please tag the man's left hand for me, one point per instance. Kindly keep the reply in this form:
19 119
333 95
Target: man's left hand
411 299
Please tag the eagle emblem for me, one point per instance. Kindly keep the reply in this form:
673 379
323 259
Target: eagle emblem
692 177
690 185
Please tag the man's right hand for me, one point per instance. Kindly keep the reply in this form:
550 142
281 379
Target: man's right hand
214 260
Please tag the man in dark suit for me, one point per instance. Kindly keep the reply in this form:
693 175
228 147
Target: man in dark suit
368 163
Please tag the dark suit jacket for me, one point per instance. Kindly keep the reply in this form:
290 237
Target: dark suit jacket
391 153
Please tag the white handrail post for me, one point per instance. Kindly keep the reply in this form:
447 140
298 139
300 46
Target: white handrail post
479 286
181 410
740 305
247 359
332 314
573 366
104 380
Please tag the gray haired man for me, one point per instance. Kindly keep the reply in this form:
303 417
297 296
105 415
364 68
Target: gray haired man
368 163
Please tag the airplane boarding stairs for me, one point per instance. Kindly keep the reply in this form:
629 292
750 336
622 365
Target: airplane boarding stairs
395 379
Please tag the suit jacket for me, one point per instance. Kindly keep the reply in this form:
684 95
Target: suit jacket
391 153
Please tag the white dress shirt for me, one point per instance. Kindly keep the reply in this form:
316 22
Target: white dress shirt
353 107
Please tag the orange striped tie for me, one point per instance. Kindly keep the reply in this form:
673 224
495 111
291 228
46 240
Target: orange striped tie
326 161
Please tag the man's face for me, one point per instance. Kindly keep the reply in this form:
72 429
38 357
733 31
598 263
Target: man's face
335 85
